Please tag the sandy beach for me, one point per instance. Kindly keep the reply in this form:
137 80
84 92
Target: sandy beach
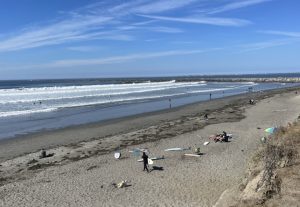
83 169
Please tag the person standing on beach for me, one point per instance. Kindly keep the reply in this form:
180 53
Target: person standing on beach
145 161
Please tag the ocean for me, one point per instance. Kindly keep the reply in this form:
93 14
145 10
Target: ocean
32 106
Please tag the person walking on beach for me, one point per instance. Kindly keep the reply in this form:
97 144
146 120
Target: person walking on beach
145 161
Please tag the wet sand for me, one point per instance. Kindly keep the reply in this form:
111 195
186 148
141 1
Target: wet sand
82 173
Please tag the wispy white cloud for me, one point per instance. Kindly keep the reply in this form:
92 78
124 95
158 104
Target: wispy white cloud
163 5
236 5
143 23
64 31
115 59
115 20
83 48
202 20
125 58
266 44
165 29
161 29
281 33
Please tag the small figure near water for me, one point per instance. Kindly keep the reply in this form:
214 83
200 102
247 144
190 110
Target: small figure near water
251 101
170 104
210 96
205 116
145 161
44 154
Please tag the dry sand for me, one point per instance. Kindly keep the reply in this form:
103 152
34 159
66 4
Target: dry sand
83 174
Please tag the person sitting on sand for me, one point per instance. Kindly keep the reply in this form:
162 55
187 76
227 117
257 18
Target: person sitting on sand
224 137
216 138
220 137
43 153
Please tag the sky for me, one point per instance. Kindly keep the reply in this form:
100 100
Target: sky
103 38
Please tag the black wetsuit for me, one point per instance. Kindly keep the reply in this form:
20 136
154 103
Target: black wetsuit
145 160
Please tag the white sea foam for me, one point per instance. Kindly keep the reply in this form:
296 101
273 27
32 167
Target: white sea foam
22 98
16 102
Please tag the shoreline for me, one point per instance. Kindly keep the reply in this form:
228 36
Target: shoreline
84 172
17 146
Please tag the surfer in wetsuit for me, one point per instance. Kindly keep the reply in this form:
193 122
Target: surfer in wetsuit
145 161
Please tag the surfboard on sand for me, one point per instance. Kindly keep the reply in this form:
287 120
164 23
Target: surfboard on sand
150 161
152 158
176 149
205 143
117 155
139 150
192 155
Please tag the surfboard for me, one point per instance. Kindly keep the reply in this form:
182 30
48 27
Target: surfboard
174 149
139 150
117 155
192 155
205 143
152 158
157 158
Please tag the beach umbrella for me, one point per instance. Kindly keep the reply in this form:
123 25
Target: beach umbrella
270 130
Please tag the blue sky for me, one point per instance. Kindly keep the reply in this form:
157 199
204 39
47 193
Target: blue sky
92 38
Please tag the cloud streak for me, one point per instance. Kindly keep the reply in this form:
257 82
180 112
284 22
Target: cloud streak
266 44
69 30
282 33
112 20
202 20
163 5
115 59
236 5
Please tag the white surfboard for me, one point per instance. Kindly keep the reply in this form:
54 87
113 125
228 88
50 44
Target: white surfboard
117 155
205 143
174 149
140 150
192 155
152 158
